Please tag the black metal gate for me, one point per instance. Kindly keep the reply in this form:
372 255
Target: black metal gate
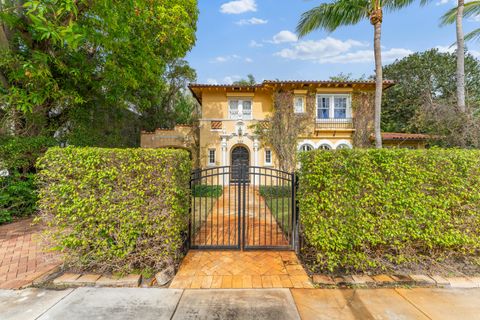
243 207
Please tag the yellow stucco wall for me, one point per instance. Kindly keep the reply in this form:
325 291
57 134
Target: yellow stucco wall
215 107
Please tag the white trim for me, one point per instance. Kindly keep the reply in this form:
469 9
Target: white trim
326 142
331 109
346 142
305 142
240 115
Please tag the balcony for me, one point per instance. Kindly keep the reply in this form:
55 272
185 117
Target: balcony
335 124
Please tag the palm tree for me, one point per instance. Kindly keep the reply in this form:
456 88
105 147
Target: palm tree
456 15
330 16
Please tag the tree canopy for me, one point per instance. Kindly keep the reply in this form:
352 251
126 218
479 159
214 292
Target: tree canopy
424 97
66 63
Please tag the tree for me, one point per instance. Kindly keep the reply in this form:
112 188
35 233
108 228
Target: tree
330 16
250 81
281 130
456 15
424 98
60 59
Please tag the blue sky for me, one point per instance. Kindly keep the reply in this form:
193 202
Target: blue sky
239 37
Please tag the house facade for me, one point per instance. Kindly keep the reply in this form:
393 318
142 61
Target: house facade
229 113
338 115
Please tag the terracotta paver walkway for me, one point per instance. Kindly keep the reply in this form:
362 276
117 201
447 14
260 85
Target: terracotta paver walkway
22 258
220 226
241 269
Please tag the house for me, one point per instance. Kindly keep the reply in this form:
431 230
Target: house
405 140
340 115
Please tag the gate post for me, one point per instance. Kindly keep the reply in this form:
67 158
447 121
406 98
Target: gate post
296 231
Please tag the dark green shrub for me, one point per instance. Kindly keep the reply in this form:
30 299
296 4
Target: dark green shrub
19 154
17 159
17 196
372 209
275 191
116 209
207 191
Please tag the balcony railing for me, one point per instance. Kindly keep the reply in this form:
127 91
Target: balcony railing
335 124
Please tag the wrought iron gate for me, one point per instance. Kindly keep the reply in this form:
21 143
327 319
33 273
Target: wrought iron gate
243 207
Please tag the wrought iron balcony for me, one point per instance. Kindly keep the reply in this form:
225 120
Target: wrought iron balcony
335 124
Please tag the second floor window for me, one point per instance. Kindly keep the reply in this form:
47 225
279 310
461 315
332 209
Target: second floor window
336 106
240 109
299 104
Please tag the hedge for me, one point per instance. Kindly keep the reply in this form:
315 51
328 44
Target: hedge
117 210
365 210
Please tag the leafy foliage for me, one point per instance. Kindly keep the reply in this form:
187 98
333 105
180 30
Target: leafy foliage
18 197
207 191
115 209
280 131
375 209
64 61
275 191
424 97
17 160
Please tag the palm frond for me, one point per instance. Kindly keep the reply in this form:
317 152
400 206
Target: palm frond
330 16
474 35
470 9
393 5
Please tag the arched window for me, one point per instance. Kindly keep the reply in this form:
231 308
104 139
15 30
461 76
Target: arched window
324 146
343 146
306 147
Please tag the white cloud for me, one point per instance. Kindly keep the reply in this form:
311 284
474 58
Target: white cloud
331 50
475 53
255 44
251 21
212 81
238 6
445 49
284 37
232 57
231 79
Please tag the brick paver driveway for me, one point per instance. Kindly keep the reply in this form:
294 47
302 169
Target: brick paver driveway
22 257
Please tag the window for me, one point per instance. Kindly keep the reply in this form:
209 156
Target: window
335 106
340 107
324 146
343 146
268 157
240 109
299 104
211 156
306 147
323 108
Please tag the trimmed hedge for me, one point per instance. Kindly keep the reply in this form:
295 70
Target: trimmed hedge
118 210
383 209
207 191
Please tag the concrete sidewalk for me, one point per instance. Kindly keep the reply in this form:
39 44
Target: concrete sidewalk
276 304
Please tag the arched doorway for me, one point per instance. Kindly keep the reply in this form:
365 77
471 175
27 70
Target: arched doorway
240 162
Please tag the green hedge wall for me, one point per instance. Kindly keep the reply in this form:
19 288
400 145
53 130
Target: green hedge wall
118 210
380 209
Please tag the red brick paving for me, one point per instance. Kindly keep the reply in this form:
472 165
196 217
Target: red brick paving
22 256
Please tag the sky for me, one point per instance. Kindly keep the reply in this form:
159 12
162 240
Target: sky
240 37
